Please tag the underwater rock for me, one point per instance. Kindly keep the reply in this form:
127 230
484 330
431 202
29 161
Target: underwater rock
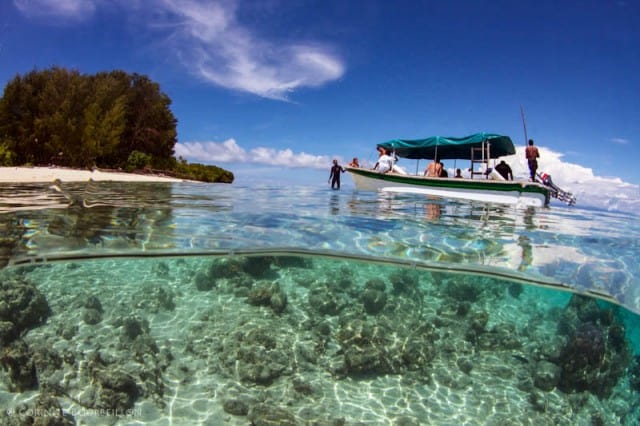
464 364
235 406
22 307
463 291
372 347
133 327
259 365
46 411
405 282
17 360
67 331
225 268
117 390
92 302
515 290
634 374
326 300
55 416
268 415
48 365
589 364
546 375
302 386
91 316
164 299
258 355
376 284
373 300
268 295
259 267
203 281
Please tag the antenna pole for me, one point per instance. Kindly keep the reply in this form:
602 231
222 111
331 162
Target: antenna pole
524 126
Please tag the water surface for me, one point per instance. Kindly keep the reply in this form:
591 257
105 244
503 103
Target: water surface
220 304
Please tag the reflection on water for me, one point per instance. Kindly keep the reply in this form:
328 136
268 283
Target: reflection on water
581 248
311 339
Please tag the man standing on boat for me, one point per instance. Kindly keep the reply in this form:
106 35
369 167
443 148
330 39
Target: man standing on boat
334 176
532 154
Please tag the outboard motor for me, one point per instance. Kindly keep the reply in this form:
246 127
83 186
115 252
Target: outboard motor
557 192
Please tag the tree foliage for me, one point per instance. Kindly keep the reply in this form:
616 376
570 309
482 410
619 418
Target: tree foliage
110 120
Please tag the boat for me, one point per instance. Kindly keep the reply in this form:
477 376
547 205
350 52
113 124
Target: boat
484 184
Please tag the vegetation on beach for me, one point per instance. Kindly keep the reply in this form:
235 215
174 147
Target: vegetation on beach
112 120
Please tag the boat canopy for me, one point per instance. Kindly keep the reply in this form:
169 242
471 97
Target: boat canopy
447 148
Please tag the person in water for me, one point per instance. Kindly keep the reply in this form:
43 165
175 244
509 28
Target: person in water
334 176
532 154
354 163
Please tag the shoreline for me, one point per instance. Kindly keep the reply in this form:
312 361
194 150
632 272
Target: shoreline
49 174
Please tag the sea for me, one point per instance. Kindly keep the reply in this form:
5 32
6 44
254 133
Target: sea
249 304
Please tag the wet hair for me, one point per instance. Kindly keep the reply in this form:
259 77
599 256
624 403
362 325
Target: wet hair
530 141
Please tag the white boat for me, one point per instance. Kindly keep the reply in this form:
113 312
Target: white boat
484 185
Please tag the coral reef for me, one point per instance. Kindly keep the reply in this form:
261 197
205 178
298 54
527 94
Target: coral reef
22 307
267 340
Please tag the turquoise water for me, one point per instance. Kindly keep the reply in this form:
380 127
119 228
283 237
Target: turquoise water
172 304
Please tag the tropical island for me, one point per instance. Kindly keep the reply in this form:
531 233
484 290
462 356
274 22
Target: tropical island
109 121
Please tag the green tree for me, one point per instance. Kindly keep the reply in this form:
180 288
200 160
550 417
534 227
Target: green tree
110 119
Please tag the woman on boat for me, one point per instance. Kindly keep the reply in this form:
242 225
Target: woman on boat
385 161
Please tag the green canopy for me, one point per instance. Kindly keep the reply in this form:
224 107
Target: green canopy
446 148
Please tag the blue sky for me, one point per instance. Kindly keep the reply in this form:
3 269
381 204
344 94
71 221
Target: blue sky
258 86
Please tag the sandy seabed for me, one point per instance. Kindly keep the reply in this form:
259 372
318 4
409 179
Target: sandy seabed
49 174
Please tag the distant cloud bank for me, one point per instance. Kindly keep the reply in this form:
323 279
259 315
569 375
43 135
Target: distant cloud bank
230 152
209 41
609 193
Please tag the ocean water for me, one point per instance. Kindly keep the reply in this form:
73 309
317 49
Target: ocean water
184 303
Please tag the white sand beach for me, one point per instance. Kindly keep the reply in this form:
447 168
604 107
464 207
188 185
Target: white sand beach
49 174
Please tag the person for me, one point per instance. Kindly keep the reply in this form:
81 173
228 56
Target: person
504 170
334 176
443 171
458 173
532 154
354 163
385 161
434 169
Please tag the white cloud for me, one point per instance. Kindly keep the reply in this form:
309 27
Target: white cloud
610 193
230 152
74 9
620 141
209 41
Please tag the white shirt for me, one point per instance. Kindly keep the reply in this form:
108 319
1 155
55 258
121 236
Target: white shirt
385 163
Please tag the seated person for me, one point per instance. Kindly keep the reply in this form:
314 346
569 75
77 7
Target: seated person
354 163
434 169
385 161
458 173
443 171
504 170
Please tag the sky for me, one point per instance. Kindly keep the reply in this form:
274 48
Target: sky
273 90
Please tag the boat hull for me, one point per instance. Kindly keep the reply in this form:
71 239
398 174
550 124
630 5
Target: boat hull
490 191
